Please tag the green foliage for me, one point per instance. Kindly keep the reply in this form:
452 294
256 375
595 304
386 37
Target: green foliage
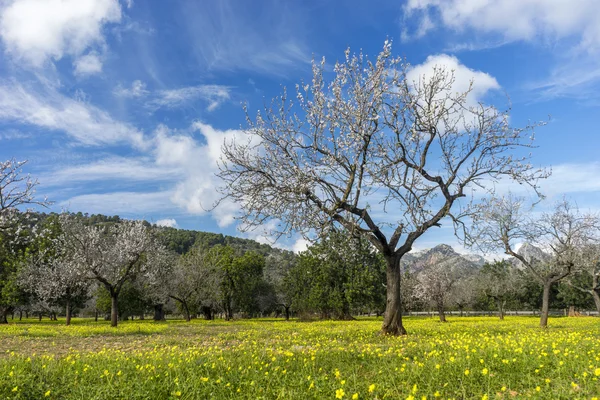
338 276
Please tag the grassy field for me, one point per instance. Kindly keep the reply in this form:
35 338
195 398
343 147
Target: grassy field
473 357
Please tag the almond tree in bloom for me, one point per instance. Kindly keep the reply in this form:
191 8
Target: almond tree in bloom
114 254
16 190
53 272
551 243
374 153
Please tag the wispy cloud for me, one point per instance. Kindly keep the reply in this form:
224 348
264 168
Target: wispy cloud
234 35
111 169
137 89
120 203
214 95
46 108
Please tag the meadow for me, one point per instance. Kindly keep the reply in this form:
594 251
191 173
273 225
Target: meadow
471 357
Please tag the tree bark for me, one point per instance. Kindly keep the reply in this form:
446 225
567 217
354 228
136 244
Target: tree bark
287 312
186 311
500 309
441 313
114 310
4 315
392 320
68 312
545 304
596 296
571 311
159 312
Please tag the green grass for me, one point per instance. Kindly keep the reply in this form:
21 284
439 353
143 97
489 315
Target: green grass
466 358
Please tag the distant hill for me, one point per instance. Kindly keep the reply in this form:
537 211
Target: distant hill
442 253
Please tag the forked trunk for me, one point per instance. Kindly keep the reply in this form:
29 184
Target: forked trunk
392 319
114 310
545 305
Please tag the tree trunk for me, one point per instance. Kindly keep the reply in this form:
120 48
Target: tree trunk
40 316
96 316
4 315
287 312
114 310
596 296
441 313
159 312
20 315
392 320
500 309
68 312
571 311
545 305
186 311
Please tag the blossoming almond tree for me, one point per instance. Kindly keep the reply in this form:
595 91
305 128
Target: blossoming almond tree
374 153
551 243
114 254
16 190
53 272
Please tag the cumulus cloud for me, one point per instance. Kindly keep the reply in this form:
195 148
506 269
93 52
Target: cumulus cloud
196 192
38 30
463 76
89 64
47 108
514 20
167 222
300 245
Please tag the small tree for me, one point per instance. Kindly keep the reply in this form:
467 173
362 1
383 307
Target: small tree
435 282
500 282
16 190
52 271
113 254
588 279
552 241
191 275
372 135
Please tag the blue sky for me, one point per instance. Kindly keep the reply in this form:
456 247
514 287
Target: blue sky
121 107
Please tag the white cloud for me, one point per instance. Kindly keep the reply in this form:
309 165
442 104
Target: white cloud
463 76
89 64
196 192
138 89
529 20
167 222
110 169
37 30
300 245
214 95
224 36
120 203
51 110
